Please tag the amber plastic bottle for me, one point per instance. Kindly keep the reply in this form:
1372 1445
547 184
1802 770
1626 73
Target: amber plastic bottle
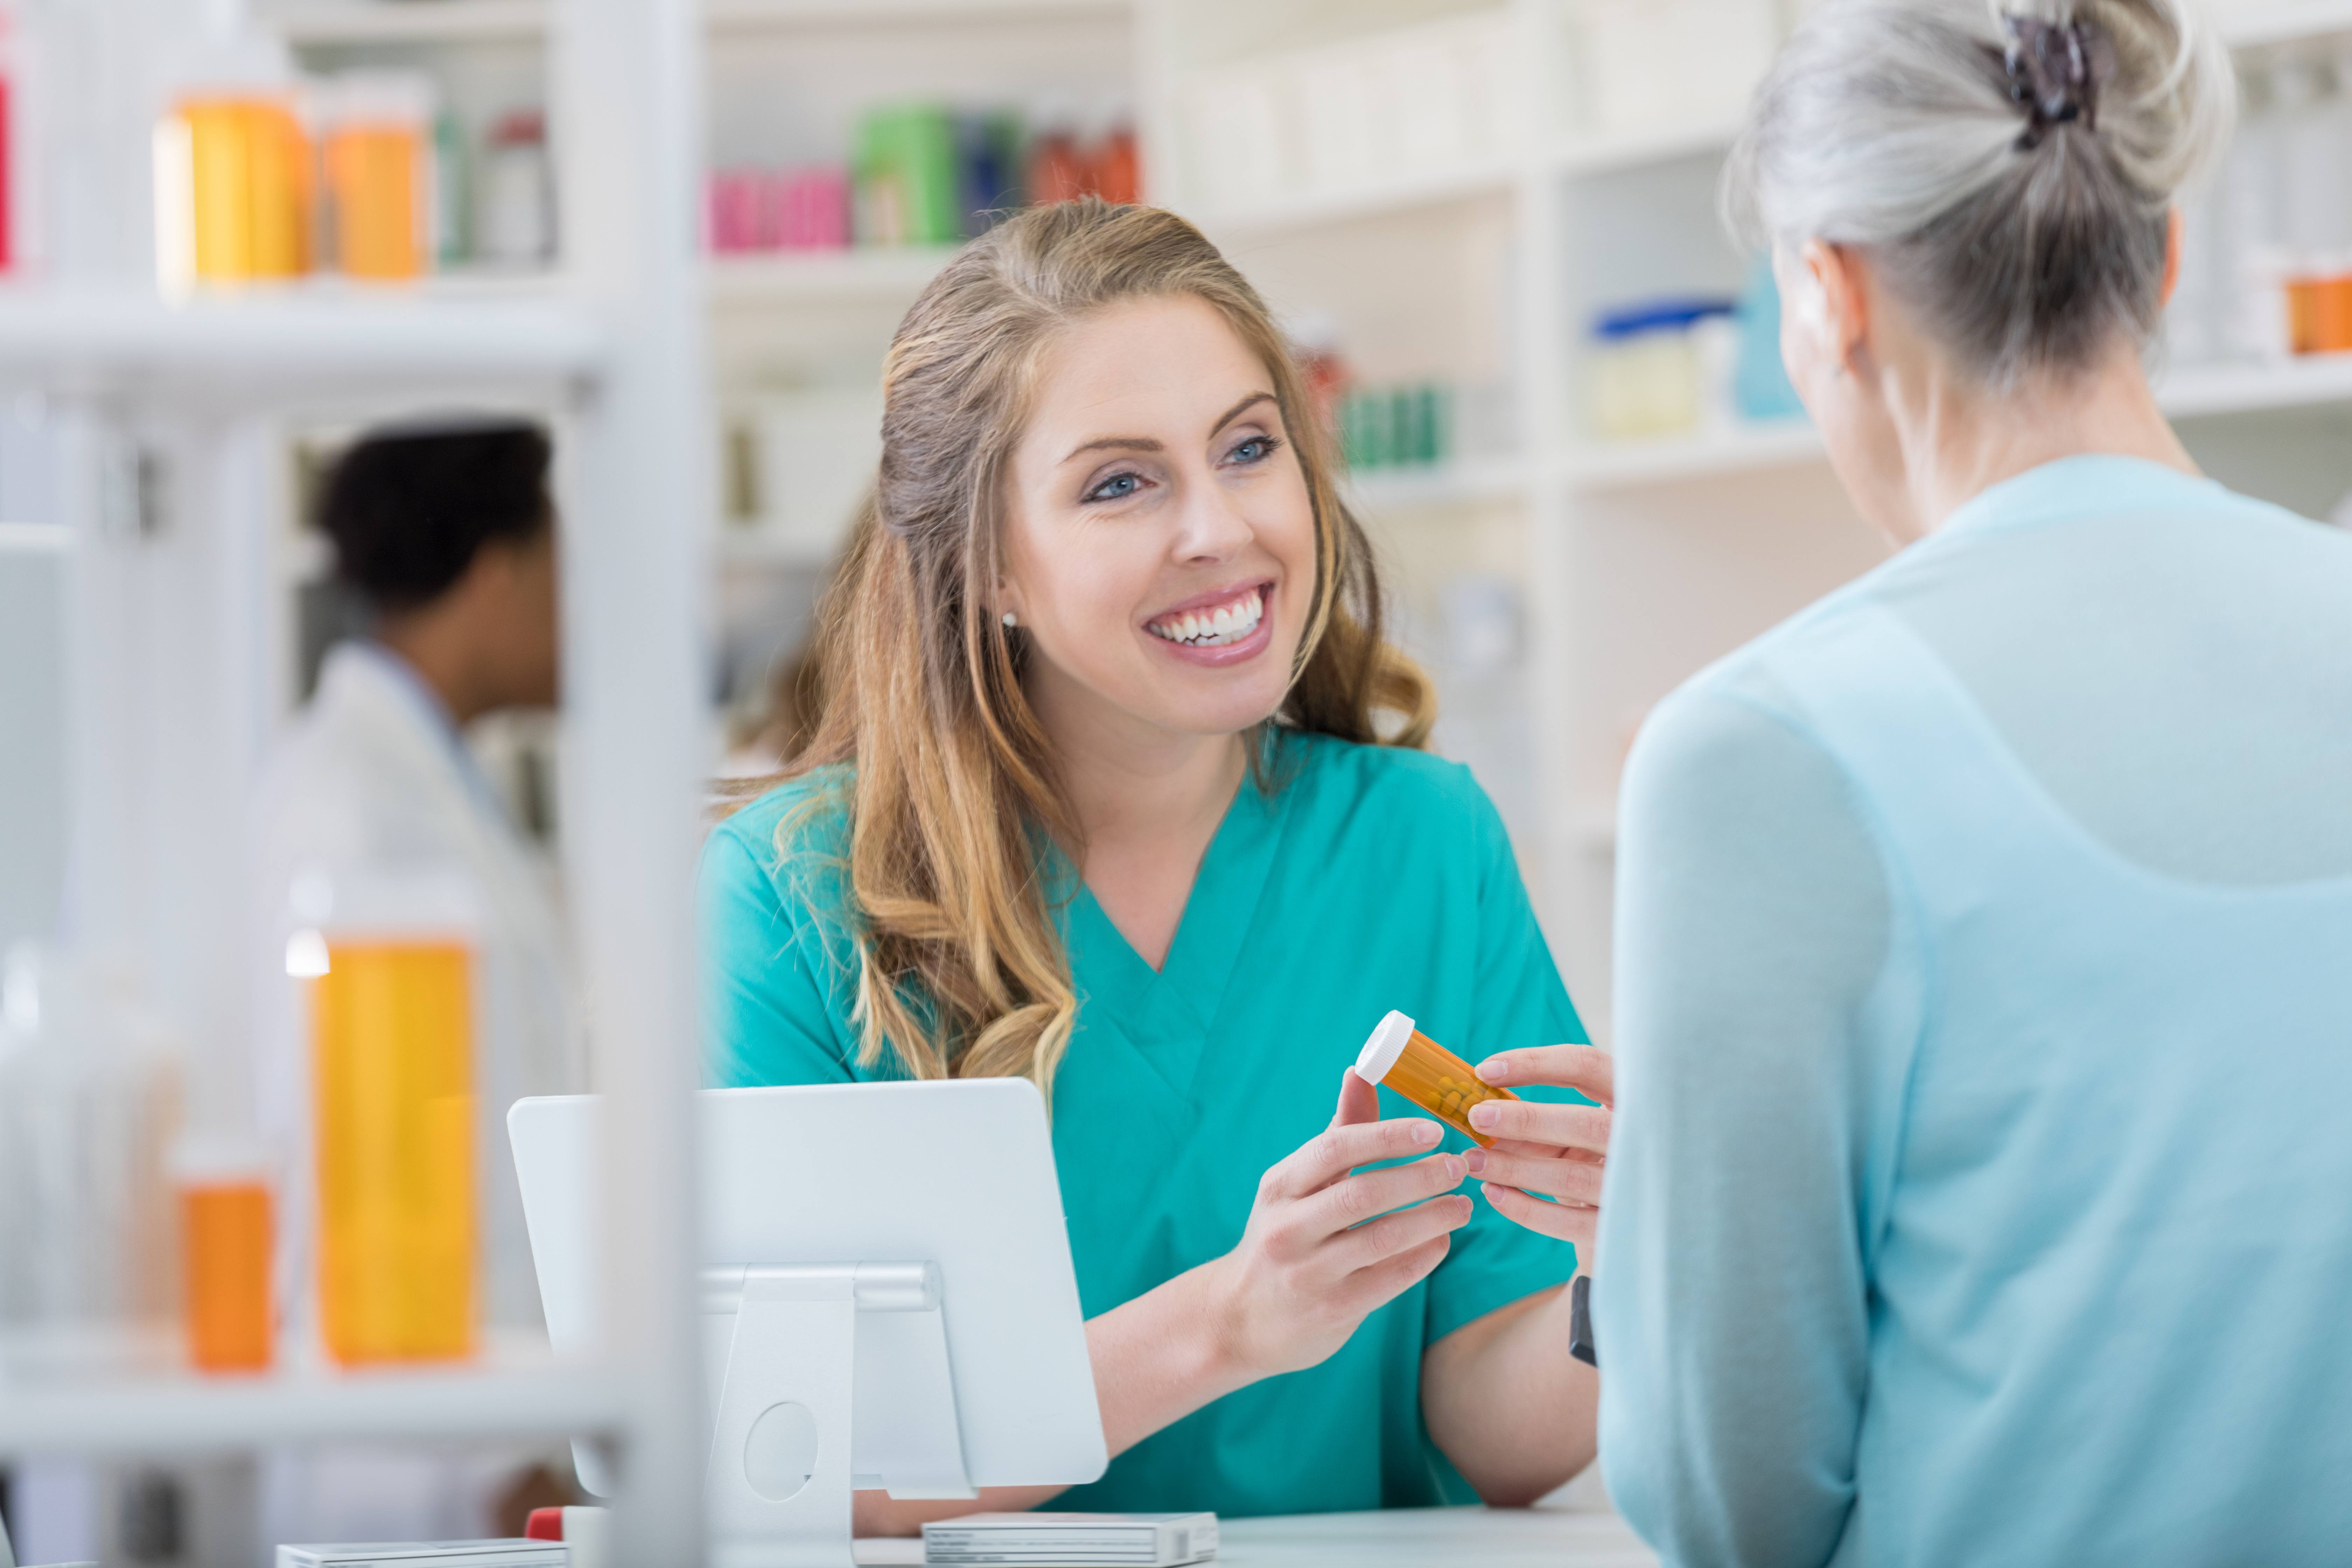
393 1077
1408 1061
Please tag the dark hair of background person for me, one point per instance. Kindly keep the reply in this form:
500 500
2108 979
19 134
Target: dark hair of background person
408 508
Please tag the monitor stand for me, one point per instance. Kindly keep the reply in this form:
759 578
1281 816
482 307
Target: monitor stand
810 1346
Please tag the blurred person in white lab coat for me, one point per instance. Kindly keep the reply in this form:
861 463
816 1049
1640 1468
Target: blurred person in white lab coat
448 534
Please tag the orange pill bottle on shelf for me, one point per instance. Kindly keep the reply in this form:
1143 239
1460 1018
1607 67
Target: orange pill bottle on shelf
392 1140
2320 312
376 155
227 1240
1401 1058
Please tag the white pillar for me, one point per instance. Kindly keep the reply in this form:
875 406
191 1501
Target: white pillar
627 79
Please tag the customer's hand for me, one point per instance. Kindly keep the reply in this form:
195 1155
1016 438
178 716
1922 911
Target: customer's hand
1559 1151
1323 1247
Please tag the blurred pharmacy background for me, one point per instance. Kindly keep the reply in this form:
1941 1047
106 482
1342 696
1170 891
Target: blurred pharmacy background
235 234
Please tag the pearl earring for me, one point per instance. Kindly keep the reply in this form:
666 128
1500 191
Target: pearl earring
1010 619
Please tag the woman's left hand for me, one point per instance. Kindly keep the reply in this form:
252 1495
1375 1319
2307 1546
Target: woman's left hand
1558 1151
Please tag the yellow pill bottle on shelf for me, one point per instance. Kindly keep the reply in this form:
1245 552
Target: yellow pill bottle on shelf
1401 1058
392 1023
233 190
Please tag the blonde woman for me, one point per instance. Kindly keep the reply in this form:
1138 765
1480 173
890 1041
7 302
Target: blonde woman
1118 787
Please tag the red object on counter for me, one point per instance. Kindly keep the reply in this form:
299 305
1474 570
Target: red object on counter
545 1524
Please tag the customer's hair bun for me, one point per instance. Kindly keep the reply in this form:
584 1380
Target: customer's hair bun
2011 166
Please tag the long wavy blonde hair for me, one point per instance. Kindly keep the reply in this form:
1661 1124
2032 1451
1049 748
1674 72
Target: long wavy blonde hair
955 805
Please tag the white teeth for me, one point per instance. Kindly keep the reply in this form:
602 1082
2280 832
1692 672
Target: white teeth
1228 624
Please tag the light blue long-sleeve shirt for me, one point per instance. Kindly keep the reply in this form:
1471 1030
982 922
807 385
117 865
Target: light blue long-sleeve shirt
1981 1185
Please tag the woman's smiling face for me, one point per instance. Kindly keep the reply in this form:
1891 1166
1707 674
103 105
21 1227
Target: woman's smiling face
1159 541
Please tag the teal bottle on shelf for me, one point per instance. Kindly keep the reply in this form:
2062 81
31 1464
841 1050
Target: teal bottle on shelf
1760 386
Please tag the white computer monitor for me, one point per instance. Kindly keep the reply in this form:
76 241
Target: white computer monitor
884 1260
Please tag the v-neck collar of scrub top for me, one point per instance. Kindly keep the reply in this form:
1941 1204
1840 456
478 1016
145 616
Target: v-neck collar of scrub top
1169 1013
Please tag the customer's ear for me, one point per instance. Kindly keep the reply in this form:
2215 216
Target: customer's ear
2176 236
1835 302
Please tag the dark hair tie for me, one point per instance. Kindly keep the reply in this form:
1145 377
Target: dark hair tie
2055 71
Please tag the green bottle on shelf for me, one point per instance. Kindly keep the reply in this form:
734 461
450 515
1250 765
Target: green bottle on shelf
908 189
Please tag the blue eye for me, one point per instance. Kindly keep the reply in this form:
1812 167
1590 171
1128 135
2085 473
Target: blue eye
1118 487
1257 449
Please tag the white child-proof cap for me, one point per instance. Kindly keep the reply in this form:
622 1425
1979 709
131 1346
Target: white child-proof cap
1380 1052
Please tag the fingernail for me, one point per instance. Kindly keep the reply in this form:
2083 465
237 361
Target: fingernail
1427 1133
1476 1161
1484 1117
1455 1166
1495 1069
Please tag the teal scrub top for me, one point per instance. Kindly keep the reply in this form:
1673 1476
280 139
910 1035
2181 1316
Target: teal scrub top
1369 879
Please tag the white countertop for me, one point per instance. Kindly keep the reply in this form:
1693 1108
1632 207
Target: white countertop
1435 1538
1402 1538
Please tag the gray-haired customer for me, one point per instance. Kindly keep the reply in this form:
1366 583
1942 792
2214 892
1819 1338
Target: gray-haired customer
1981 1189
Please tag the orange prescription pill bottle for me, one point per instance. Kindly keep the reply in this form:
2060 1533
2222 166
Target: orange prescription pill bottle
232 190
228 1237
392 1028
1410 1062
378 178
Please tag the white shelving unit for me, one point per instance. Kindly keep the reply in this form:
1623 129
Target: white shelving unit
335 22
2248 23
1243 226
885 277
169 422
278 343
1748 449
863 14
175 1412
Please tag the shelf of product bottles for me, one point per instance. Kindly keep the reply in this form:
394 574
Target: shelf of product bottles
183 1411
298 335
2194 392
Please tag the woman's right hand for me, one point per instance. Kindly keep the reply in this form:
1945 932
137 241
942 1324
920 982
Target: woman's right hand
1315 1260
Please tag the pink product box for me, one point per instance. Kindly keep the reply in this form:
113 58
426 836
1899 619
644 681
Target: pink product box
813 209
791 209
736 221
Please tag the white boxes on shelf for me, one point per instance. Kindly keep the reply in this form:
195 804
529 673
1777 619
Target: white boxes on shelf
815 453
1409 108
1657 66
